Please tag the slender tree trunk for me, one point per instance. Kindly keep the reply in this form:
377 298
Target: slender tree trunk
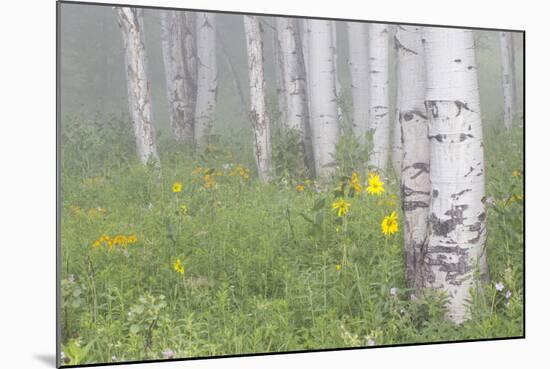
324 110
174 70
295 84
188 22
412 123
279 76
130 21
337 85
456 247
359 73
379 94
508 77
258 106
207 80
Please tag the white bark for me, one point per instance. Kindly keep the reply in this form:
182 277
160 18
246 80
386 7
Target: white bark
174 70
508 77
412 124
258 106
295 84
130 21
279 76
324 111
379 122
337 84
456 247
359 73
207 80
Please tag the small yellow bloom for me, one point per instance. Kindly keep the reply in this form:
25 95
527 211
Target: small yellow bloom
209 182
516 173
184 208
132 238
197 170
96 244
338 267
356 182
342 206
120 240
177 187
389 224
178 267
300 187
376 186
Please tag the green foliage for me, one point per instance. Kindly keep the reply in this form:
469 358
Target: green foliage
267 267
288 154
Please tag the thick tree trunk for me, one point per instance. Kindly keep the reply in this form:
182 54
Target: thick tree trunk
207 80
359 73
130 21
258 106
508 77
456 247
279 77
174 70
324 111
295 84
379 94
412 124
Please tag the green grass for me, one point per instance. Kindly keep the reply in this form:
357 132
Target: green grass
267 267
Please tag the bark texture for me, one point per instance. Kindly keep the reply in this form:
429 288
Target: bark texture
359 73
174 70
130 21
207 78
412 123
379 94
295 84
258 106
279 76
457 220
508 77
324 110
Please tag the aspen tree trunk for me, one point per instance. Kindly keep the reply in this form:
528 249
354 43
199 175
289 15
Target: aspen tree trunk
207 80
188 22
279 76
258 106
324 110
130 21
174 70
456 247
337 84
508 77
379 94
412 124
396 139
359 73
295 84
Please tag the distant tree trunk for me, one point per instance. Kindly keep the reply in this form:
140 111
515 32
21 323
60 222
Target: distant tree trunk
456 246
258 106
130 21
279 77
174 70
508 77
337 84
207 81
324 110
295 84
379 94
188 23
412 122
359 73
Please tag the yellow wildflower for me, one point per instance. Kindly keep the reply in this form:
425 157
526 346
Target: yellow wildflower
516 173
132 238
342 206
338 267
184 208
197 170
178 267
177 187
96 244
389 224
209 182
300 187
356 182
376 186
120 240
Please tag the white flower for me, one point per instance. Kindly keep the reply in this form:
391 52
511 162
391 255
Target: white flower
508 295
113 358
393 291
168 354
499 286
370 342
62 355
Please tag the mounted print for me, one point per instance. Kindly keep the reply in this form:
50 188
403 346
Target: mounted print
240 184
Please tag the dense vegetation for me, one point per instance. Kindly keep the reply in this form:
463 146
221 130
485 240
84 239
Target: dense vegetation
201 259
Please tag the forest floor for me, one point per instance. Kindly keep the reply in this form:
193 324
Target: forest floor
204 260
